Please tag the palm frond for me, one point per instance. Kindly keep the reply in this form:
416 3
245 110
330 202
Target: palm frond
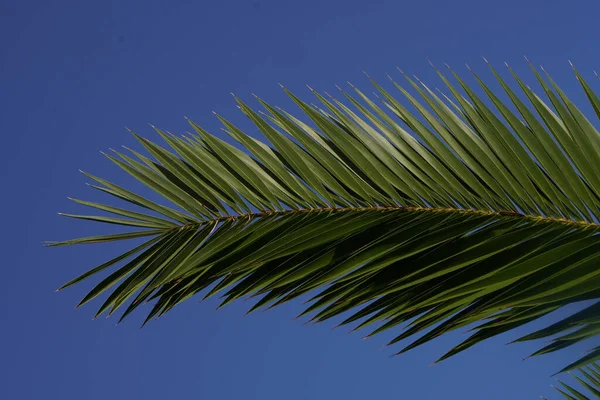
469 211
588 378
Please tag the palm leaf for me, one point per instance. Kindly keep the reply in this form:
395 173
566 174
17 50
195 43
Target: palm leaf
468 211
588 378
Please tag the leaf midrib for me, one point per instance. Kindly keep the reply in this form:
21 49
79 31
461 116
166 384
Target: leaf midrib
504 214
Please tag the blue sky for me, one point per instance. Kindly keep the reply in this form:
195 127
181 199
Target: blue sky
74 73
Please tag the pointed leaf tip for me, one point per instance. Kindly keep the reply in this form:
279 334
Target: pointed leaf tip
367 75
485 59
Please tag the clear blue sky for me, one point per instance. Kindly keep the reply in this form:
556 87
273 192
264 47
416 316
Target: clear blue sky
75 72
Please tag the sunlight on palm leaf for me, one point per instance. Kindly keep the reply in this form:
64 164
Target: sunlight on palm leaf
455 215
